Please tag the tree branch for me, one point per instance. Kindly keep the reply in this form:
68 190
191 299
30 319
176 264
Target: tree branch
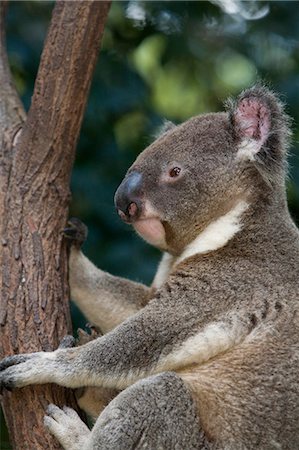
34 313
11 109
12 114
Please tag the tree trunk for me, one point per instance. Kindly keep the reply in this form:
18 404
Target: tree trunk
36 161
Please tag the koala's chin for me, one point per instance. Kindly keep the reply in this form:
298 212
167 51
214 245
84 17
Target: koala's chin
152 231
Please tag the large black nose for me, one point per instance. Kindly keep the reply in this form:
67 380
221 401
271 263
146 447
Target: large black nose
127 198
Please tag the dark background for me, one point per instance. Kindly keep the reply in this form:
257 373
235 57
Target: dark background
159 60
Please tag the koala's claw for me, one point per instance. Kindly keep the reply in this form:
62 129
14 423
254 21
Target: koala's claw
6 379
31 368
76 232
12 361
9 367
8 384
84 337
94 331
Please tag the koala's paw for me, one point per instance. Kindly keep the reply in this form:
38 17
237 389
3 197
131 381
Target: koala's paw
67 427
11 369
75 232
31 368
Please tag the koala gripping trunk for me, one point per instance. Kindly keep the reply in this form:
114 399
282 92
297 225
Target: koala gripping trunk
36 161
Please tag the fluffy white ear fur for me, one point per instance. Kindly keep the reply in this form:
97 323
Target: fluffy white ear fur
247 149
252 121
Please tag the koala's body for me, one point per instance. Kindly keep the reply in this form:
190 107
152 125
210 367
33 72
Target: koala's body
208 356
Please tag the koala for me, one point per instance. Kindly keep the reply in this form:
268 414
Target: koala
208 356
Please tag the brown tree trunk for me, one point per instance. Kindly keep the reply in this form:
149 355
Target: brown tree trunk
36 160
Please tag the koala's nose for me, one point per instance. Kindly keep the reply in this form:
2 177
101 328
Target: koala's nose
128 197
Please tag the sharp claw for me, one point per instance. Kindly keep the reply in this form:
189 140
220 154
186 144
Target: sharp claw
6 385
94 331
69 232
84 337
12 361
75 231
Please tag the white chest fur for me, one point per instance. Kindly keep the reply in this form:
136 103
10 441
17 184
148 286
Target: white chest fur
217 234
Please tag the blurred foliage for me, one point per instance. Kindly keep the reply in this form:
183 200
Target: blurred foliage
169 59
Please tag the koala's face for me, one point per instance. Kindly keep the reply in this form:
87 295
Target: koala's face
191 175
178 184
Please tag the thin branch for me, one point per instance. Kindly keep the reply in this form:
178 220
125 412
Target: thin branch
11 109
12 114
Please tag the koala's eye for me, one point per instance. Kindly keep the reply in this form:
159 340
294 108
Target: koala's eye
174 172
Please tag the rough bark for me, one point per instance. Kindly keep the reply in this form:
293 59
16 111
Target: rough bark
36 161
12 114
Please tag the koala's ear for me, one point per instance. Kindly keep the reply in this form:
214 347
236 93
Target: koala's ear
260 125
164 128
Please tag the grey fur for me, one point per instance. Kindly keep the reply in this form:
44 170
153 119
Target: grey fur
226 321
151 406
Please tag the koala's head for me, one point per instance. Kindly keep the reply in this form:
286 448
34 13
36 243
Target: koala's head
198 171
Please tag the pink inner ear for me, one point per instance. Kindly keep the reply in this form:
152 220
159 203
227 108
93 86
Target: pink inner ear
253 120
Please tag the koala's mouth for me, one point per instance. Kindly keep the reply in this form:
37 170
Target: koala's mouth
144 219
151 230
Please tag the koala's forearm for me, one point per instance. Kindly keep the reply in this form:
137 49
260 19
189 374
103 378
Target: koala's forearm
157 340
104 299
154 340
